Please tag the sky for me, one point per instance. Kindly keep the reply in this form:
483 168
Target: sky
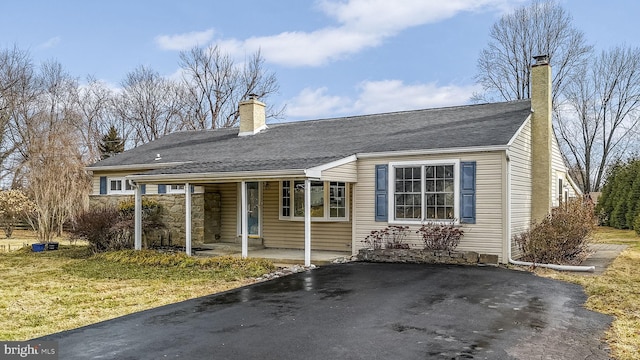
331 57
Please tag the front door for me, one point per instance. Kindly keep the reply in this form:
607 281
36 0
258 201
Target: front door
253 208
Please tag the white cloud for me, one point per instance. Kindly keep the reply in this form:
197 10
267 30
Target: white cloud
50 43
360 24
316 103
184 41
377 97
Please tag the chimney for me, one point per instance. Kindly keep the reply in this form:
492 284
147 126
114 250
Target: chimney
252 116
541 137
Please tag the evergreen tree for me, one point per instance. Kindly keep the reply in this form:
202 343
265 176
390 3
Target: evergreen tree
619 205
111 144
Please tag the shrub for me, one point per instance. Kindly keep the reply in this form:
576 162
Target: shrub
111 228
636 224
15 206
440 236
391 237
562 237
96 226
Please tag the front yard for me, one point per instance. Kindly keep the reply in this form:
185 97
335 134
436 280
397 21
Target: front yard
52 291
616 292
47 292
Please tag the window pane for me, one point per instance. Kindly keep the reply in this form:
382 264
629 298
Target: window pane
439 192
337 199
298 198
430 185
116 185
448 171
286 198
429 171
408 197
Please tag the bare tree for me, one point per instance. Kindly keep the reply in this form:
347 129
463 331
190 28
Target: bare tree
599 120
541 28
215 86
150 104
95 105
17 81
51 162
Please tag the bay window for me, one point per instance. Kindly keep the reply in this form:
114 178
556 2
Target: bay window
328 200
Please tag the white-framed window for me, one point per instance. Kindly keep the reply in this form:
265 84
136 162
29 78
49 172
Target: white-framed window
175 189
329 200
119 186
424 191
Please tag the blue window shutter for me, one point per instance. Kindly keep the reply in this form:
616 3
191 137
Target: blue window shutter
382 172
103 185
468 192
162 189
193 189
143 188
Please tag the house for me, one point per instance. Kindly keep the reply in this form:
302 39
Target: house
326 184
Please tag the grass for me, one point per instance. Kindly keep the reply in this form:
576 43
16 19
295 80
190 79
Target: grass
616 292
52 291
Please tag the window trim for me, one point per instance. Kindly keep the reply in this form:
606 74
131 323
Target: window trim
391 206
170 190
326 203
123 191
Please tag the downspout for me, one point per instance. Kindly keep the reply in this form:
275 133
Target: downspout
527 263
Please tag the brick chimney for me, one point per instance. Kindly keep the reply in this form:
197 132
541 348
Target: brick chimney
252 116
541 136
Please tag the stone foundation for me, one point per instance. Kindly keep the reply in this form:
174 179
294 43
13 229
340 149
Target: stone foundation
173 215
420 256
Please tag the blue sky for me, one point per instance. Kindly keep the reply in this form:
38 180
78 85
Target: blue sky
331 57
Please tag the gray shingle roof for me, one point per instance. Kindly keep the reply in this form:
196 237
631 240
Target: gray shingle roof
306 144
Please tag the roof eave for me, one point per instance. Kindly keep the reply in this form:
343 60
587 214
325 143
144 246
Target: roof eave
223 176
470 149
135 166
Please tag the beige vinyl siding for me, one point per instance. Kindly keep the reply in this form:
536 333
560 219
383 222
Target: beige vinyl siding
486 236
278 233
229 210
558 170
520 161
346 172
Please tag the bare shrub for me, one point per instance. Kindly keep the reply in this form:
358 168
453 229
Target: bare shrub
96 226
440 236
391 237
562 237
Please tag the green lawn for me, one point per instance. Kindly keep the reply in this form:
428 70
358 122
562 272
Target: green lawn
51 291
616 292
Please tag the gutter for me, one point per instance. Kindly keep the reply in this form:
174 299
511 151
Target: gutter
527 263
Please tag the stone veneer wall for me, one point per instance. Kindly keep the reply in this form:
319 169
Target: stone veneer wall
418 256
173 209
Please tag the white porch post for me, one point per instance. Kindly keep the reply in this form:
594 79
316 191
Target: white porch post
244 229
307 222
187 217
137 234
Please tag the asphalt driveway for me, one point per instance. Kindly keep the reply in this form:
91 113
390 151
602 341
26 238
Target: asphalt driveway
361 311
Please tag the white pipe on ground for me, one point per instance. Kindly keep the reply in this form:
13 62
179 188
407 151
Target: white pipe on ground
527 263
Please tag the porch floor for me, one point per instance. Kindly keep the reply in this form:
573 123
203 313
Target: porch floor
278 256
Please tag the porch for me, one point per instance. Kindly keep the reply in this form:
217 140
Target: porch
277 255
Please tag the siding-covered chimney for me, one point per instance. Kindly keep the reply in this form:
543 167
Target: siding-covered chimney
541 137
252 116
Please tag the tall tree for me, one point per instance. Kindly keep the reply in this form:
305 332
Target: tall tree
17 92
111 143
541 28
600 116
216 84
151 104
51 162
